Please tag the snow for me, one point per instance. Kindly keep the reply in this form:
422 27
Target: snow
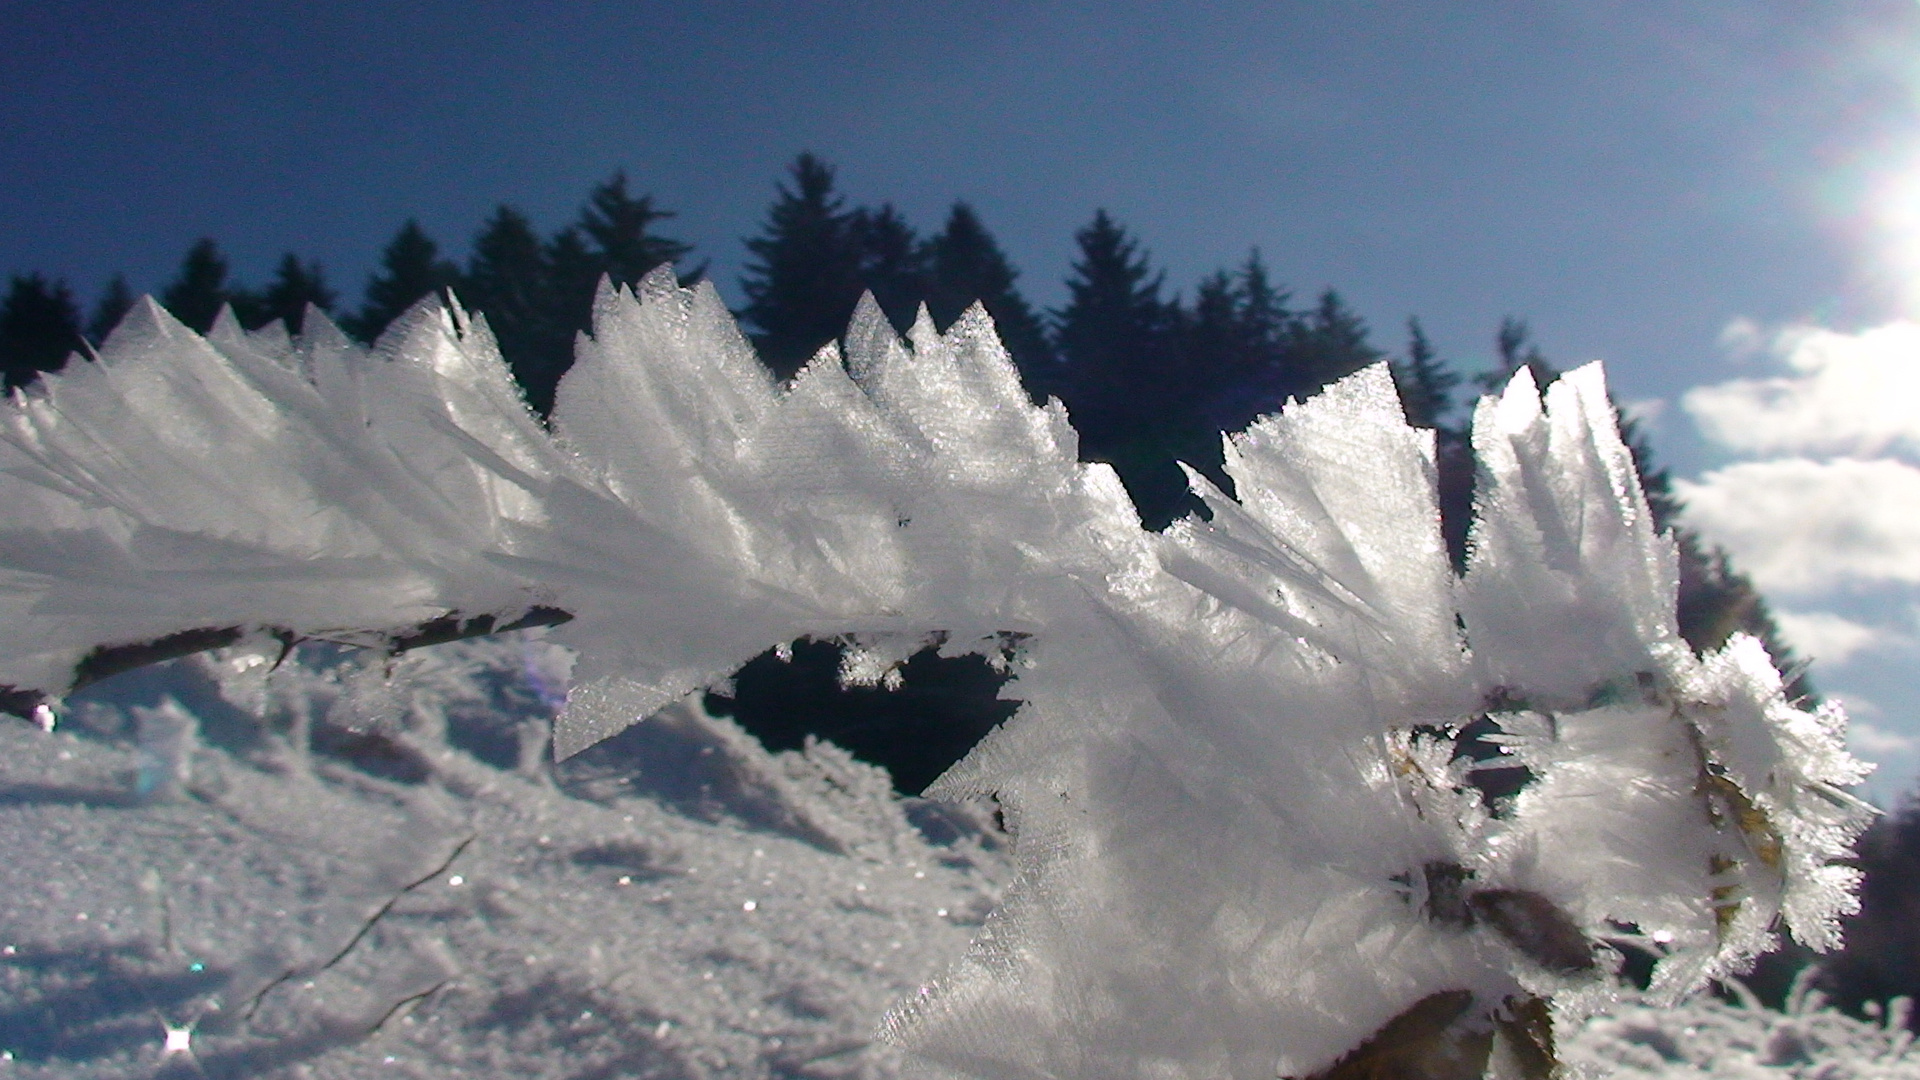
611 918
1248 830
1707 1039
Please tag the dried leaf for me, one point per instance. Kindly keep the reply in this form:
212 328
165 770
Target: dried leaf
1523 1040
1426 1042
1537 927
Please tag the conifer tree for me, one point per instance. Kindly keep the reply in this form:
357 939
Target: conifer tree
1328 342
509 280
1125 382
805 275
200 289
507 273
618 227
410 268
611 239
1217 355
114 303
964 265
892 263
1265 319
39 329
295 285
1514 343
1426 384
1115 336
1238 332
574 271
1215 342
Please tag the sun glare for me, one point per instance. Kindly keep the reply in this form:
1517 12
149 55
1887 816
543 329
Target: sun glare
1893 215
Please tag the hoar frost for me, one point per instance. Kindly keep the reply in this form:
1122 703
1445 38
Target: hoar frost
1250 837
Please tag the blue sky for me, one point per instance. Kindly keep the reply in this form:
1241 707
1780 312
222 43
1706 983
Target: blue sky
1670 187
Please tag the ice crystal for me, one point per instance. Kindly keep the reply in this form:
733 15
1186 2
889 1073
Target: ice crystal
1250 835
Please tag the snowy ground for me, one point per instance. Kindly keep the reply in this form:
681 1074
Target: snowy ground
320 872
1709 1039
680 905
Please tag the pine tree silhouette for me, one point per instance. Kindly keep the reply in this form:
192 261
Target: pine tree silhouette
1115 336
574 270
295 285
1126 385
200 289
410 268
114 303
892 263
509 281
618 229
611 239
1237 336
1514 343
1267 323
39 329
1329 342
964 265
1426 384
805 275
1216 343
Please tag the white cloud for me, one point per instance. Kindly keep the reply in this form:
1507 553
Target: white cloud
1822 502
1798 525
1845 393
1877 742
1743 339
1857 707
1646 411
1822 635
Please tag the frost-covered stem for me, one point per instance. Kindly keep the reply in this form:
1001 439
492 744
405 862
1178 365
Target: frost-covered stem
106 661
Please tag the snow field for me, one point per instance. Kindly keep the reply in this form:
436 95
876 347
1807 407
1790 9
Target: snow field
582 930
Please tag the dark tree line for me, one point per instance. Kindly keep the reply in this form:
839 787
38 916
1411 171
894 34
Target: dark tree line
1148 377
536 292
1880 960
815 256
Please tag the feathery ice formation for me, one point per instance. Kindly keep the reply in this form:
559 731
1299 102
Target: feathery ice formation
1250 831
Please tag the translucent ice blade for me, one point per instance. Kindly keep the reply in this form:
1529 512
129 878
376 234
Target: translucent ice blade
1567 584
1338 509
